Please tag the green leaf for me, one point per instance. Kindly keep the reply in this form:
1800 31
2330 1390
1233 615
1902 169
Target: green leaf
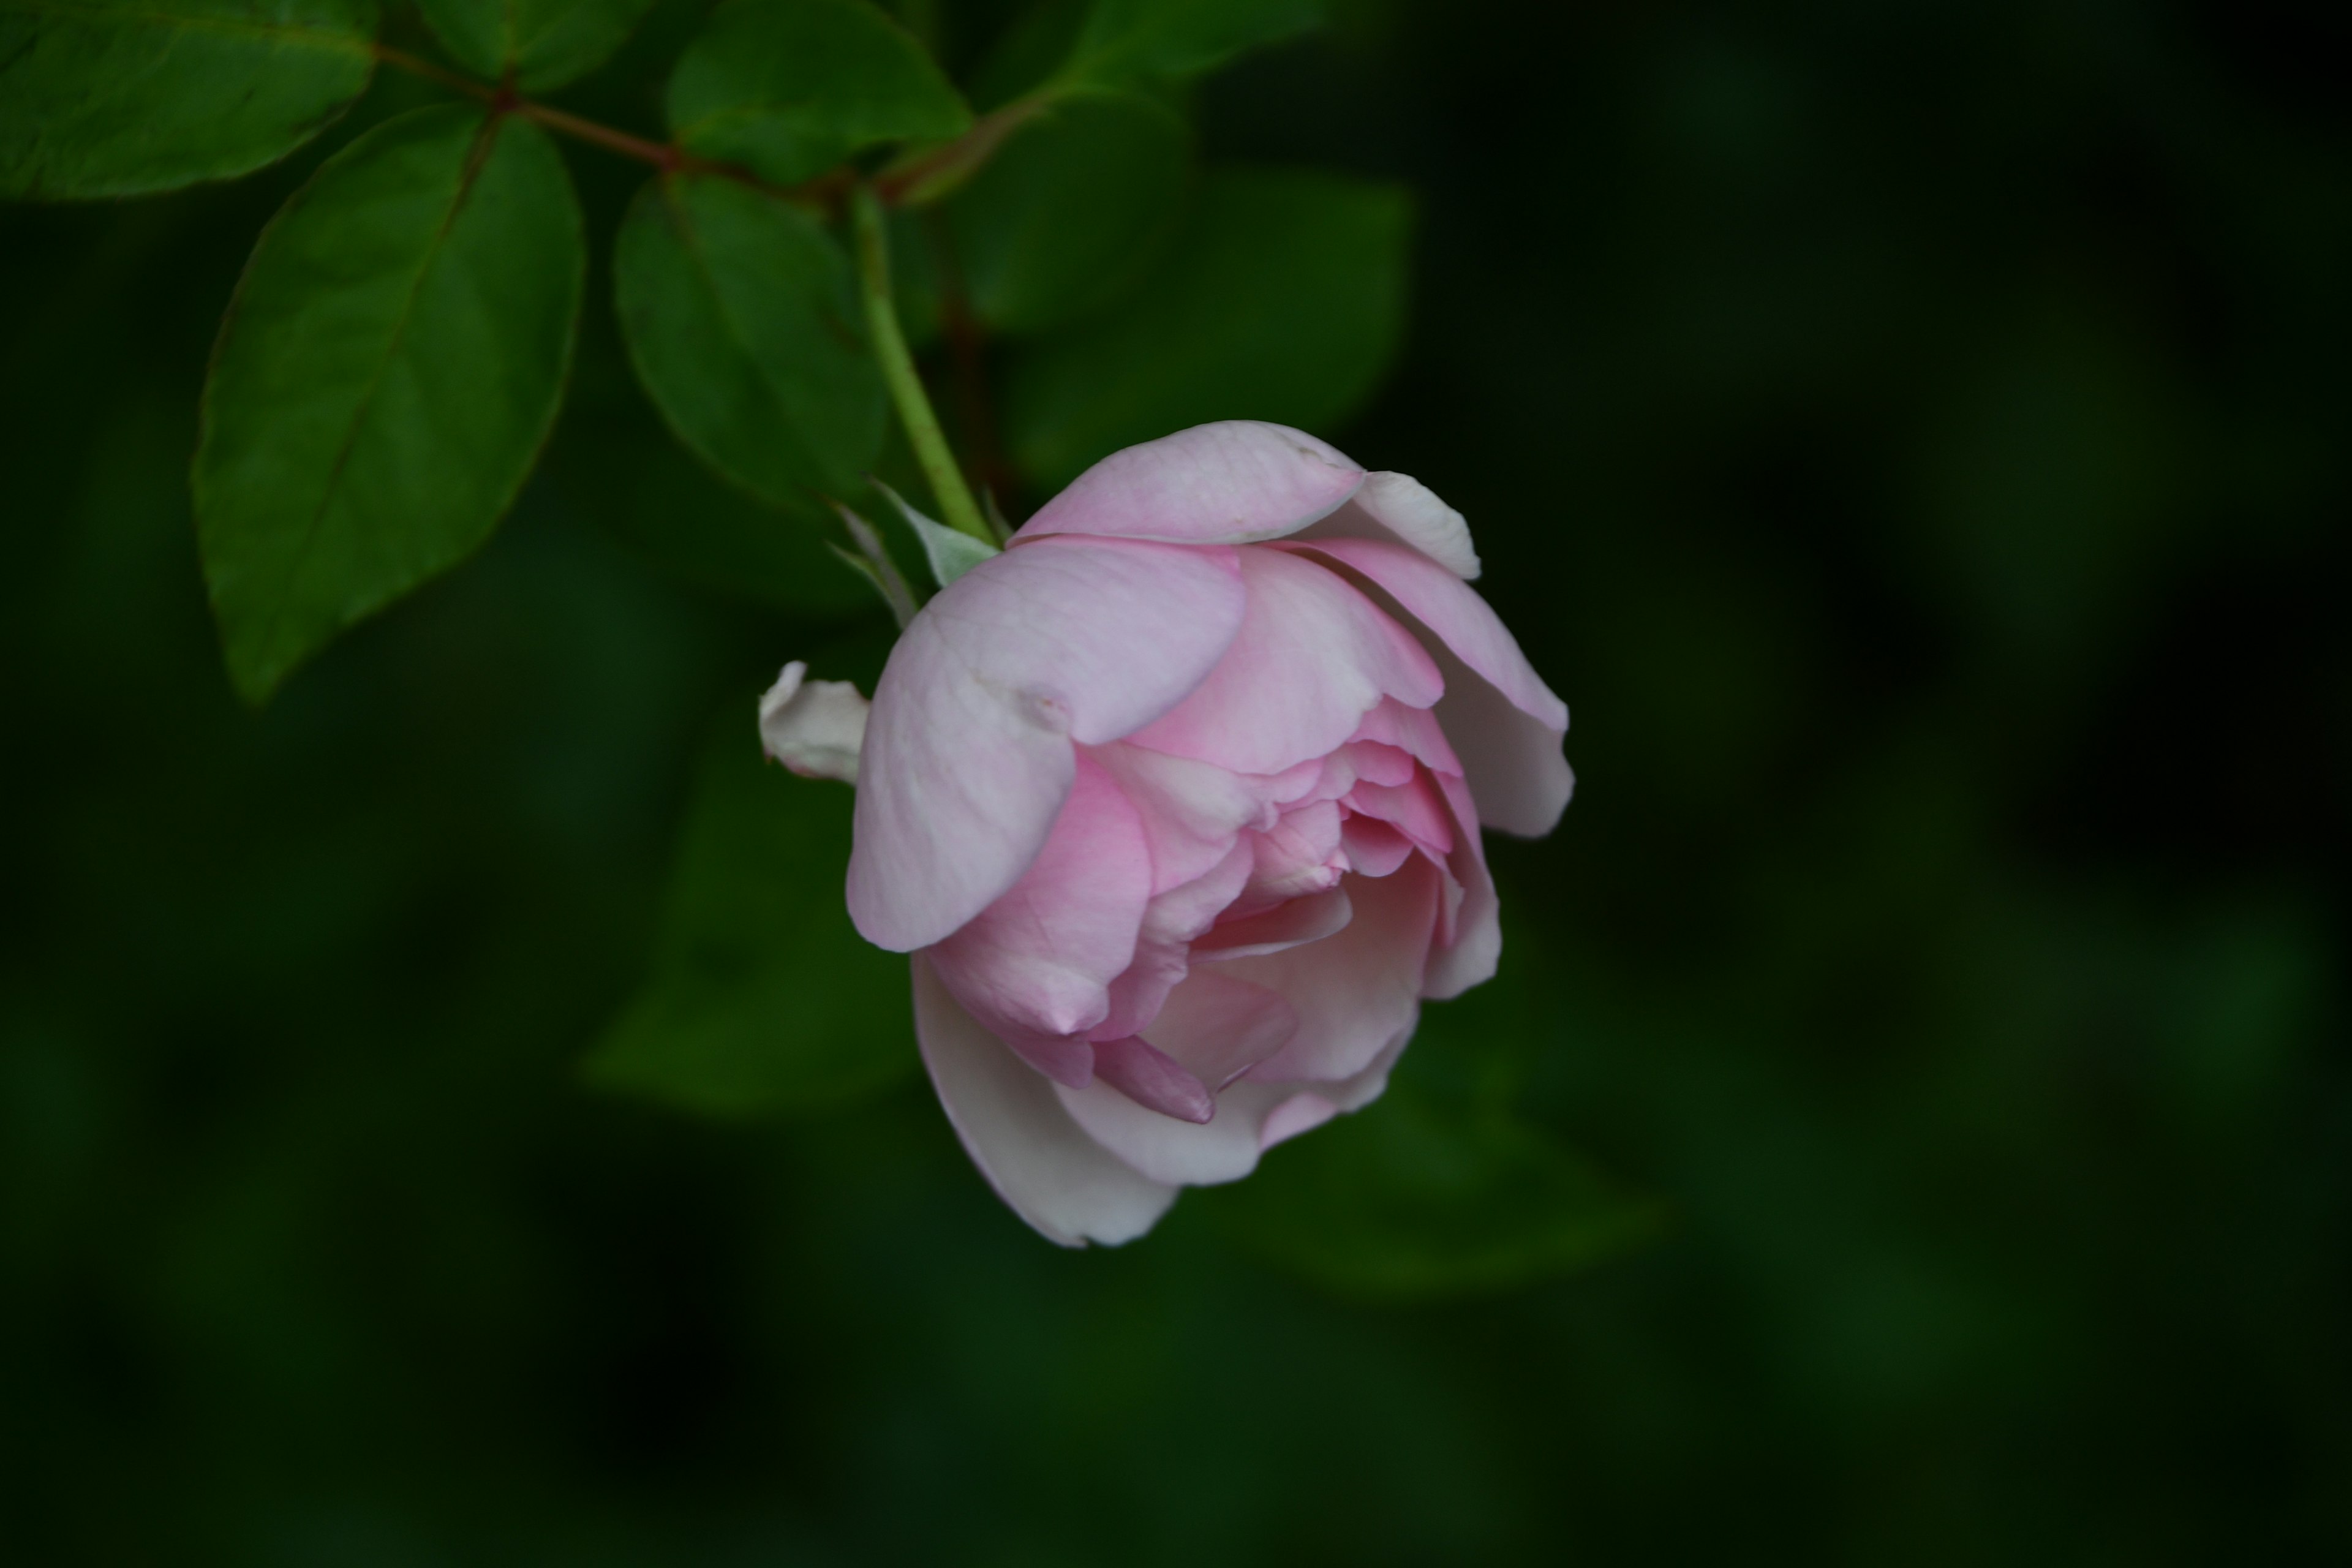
1127 40
385 379
1436 1188
1282 298
1070 211
104 97
762 996
545 43
742 321
1412 1197
790 87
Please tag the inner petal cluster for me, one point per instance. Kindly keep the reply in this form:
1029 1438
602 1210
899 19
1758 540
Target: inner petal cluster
1231 918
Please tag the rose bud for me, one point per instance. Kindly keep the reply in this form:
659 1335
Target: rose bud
1176 803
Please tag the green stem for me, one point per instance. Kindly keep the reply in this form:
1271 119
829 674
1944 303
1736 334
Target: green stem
957 508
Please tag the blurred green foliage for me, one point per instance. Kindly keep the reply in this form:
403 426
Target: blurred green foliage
1913 440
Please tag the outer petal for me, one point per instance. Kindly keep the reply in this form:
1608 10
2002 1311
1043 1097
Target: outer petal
1506 725
814 727
1051 1173
1228 483
1400 509
1477 945
1357 992
1251 1118
1312 657
1041 959
968 752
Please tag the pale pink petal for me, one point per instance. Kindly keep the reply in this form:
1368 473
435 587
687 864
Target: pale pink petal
1414 730
1302 1112
1228 483
1293 924
1052 1175
1163 947
1251 1118
1150 1077
1358 991
968 751
1040 960
812 727
1476 938
1399 509
1297 857
1312 657
1300 781
1191 811
1415 809
1377 764
1218 1027
1372 847
1507 723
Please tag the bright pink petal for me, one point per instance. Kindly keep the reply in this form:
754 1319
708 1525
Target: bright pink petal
1041 959
1476 945
967 757
1505 725
1312 657
1229 483
1052 1175
1397 508
1358 991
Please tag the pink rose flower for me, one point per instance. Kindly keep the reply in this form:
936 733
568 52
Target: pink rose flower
1176 803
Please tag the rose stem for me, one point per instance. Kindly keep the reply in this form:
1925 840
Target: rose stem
957 508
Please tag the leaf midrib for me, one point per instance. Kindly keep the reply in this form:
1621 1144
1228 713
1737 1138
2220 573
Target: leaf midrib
477 154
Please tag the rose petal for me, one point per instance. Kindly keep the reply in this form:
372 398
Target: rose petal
812 727
968 755
1191 811
1163 1149
1227 483
1041 959
1302 1112
1163 946
1312 657
1218 1027
1476 945
1414 730
1050 1173
1507 723
1146 1075
1292 925
1372 847
1400 510
1415 809
1358 990
1297 857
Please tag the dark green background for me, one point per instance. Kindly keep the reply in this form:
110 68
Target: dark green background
1913 438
